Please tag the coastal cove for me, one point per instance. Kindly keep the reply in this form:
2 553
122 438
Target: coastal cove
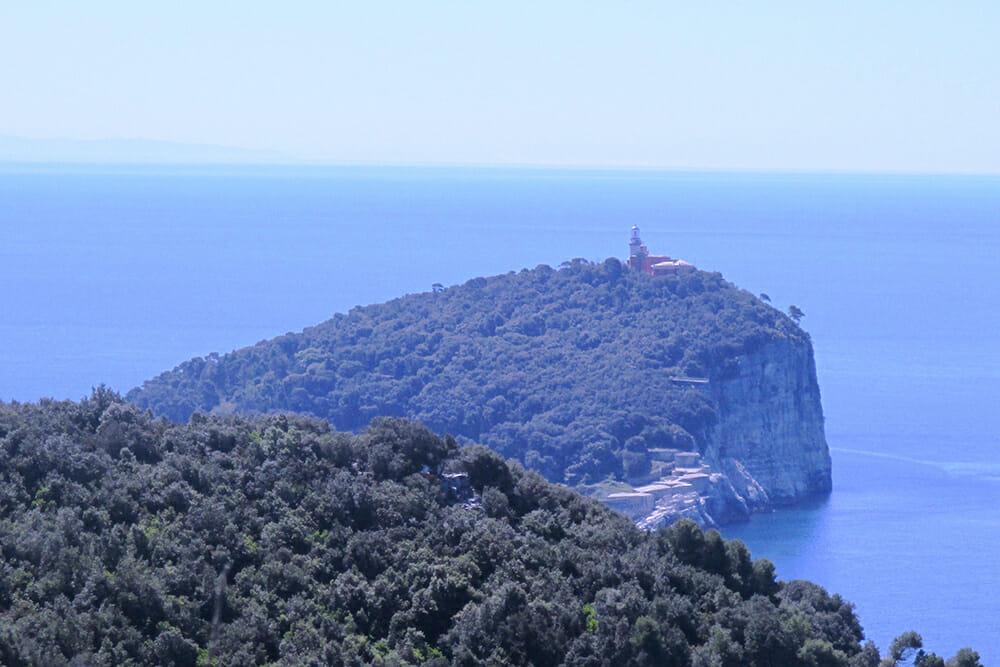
895 275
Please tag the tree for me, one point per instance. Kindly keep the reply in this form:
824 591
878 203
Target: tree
965 657
795 313
437 288
907 645
765 297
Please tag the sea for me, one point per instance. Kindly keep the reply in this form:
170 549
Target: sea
111 274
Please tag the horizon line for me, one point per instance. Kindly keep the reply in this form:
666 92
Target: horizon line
7 163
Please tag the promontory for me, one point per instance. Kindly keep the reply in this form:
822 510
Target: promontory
666 395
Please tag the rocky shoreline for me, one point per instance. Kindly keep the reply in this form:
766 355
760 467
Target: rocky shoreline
767 448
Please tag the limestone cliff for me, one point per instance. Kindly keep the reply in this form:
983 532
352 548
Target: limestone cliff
766 447
770 420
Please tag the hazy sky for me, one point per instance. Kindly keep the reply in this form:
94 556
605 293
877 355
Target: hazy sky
866 85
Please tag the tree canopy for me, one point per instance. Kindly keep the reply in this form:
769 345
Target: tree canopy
276 540
568 371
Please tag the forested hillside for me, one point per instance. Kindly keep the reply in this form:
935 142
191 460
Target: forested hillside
570 371
234 541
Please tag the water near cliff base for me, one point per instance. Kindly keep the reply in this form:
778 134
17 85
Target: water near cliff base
115 274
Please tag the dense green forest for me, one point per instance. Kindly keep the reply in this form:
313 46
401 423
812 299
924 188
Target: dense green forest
237 541
569 371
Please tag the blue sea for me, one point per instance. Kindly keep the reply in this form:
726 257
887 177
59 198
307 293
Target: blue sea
114 274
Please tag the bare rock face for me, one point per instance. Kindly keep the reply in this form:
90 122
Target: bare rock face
723 498
769 435
689 505
766 449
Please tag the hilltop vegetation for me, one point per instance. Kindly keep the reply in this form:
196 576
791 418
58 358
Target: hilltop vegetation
235 541
568 371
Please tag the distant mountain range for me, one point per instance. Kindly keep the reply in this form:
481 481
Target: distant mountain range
141 151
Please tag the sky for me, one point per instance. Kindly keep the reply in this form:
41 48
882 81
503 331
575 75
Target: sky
856 86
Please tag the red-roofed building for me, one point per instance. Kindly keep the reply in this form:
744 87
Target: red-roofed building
639 258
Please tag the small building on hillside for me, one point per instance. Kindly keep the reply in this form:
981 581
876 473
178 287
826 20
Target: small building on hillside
639 259
631 503
687 459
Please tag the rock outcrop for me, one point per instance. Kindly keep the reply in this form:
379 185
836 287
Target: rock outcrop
769 433
766 449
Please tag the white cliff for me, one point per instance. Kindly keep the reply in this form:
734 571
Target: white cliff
767 447
770 424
